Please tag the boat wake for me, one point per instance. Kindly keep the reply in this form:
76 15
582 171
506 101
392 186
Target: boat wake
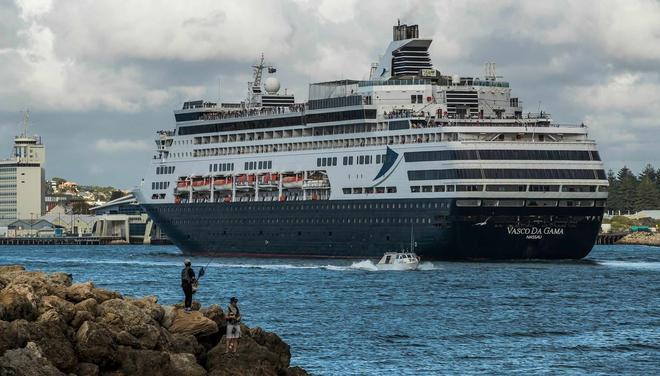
364 265
646 265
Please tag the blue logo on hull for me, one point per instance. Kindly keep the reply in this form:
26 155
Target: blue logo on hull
390 157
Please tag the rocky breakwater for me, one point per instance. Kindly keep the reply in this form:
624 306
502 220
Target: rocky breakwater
50 326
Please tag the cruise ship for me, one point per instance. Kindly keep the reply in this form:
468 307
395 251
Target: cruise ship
362 164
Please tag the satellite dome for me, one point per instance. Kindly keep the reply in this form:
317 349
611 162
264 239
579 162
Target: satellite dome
272 85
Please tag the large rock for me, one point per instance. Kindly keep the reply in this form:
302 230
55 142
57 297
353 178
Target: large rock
150 306
192 323
186 343
185 364
94 344
28 361
121 313
272 342
59 305
54 344
18 302
251 359
88 305
81 291
52 340
157 363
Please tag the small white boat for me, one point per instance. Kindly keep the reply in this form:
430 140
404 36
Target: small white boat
404 260
398 261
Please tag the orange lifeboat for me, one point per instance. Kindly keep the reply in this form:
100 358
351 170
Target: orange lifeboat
292 182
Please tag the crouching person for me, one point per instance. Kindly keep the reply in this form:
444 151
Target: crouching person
233 326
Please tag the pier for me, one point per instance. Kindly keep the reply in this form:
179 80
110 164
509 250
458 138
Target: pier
66 240
610 238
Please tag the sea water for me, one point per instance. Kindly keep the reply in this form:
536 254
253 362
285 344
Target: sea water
600 315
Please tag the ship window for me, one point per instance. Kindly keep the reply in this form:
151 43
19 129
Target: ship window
541 203
357 190
438 188
260 165
378 159
450 188
469 188
543 188
467 203
350 160
391 189
414 188
505 188
334 161
380 189
345 160
318 162
427 188
369 190
578 188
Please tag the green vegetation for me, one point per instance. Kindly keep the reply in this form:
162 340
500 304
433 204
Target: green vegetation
630 193
620 223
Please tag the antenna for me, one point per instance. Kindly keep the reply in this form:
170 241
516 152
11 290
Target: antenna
490 72
218 91
26 119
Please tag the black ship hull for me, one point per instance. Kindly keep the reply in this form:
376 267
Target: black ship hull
368 228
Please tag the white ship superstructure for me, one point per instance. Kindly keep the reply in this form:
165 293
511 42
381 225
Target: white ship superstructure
362 162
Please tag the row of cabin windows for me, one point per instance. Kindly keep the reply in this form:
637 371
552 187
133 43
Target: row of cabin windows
531 203
244 208
368 190
512 173
161 170
329 220
525 155
221 167
363 159
158 196
326 161
259 165
295 119
327 144
507 188
160 184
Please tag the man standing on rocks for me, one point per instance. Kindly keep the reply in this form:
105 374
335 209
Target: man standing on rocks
233 326
187 281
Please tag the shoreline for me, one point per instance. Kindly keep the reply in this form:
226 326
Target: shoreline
640 238
51 326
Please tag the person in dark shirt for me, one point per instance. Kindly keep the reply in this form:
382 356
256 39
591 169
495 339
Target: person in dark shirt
187 281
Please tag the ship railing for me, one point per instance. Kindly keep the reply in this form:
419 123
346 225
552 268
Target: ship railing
251 112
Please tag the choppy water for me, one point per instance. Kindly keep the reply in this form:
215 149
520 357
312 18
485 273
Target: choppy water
600 315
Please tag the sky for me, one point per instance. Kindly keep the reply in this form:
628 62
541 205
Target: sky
100 77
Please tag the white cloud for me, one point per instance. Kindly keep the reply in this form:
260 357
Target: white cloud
112 146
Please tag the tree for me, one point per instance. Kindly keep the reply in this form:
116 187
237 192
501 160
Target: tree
613 198
116 194
80 207
649 172
647 196
627 188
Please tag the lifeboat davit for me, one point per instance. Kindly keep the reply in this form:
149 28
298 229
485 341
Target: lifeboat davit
245 181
